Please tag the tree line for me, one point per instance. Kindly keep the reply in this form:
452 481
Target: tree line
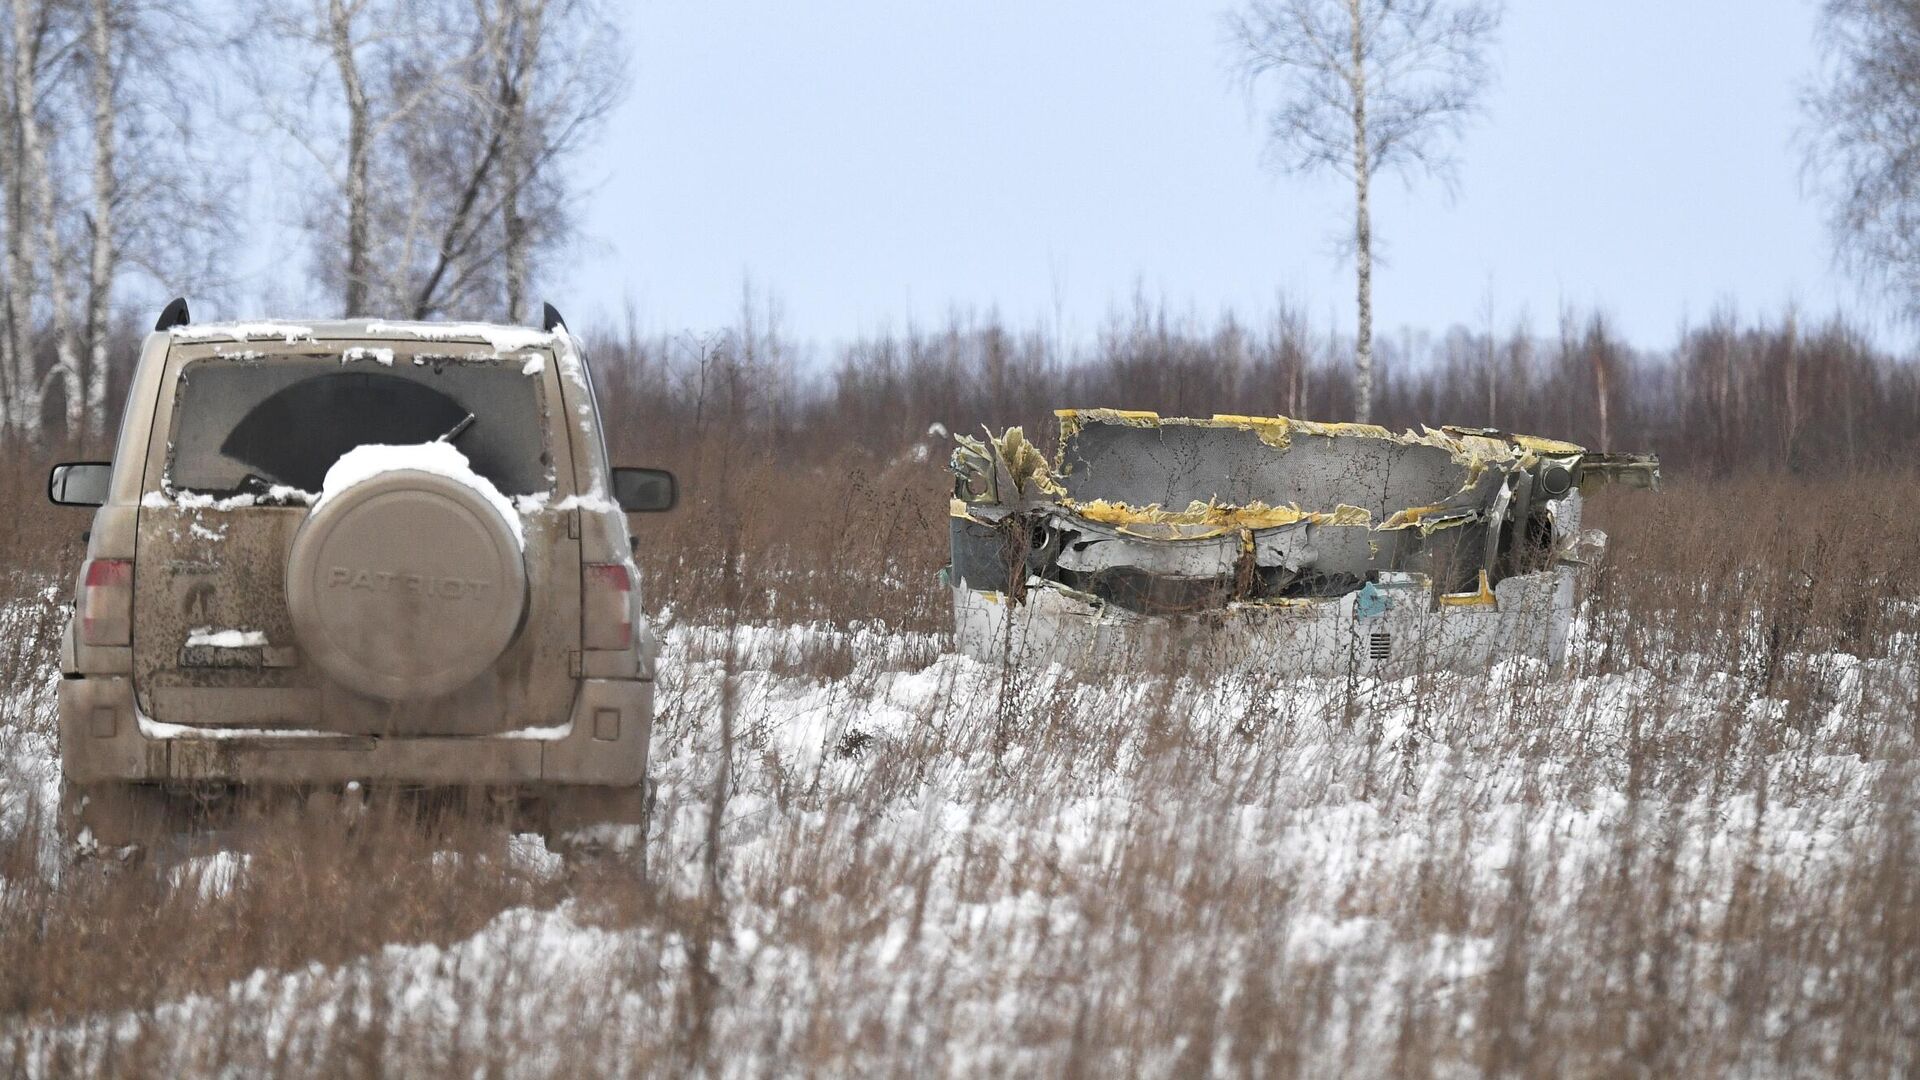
426 143
1732 396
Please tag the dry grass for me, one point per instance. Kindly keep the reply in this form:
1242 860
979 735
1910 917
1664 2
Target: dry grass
1696 854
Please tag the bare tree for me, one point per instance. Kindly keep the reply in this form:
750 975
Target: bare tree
160 217
1600 348
100 182
106 186
104 183
321 92
518 28
27 26
466 155
33 223
1361 87
341 43
36 161
1864 144
467 112
488 158
15 286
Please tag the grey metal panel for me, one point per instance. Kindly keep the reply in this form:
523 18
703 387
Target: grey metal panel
1174 465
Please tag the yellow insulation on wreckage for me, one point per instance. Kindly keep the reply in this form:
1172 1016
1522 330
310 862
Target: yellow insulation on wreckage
1475 451
1219 517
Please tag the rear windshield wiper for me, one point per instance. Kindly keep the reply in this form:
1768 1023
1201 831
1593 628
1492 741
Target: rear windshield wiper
459 429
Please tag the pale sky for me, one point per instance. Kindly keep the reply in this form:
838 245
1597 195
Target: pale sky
871 162
875 163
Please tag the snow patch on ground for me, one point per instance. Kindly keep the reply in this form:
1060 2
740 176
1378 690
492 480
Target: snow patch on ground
1015 808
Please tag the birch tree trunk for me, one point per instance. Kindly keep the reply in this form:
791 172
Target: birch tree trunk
9 250
493 184
531 15
66 367
1793 389
513 223
1362 224
1428 61
100 269
1489 364
25 133
1603 391
359 134
1493 389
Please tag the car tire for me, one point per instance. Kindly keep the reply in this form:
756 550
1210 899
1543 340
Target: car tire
406 586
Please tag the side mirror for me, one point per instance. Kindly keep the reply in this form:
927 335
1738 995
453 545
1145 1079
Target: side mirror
641 491
79 483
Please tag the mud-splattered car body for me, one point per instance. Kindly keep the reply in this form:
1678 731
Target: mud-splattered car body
1302 547
340 556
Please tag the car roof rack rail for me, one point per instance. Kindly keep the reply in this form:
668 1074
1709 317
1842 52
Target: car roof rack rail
174 314
550 319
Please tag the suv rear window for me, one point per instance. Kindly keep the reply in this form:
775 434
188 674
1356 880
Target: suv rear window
243 425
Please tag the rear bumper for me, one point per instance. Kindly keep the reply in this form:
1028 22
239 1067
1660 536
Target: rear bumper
104 738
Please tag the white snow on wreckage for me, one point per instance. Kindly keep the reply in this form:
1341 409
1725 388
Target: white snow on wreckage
1285 545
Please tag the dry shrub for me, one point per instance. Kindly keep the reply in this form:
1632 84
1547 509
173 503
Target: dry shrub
1694 854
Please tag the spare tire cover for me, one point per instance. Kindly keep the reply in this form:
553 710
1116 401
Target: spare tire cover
406 585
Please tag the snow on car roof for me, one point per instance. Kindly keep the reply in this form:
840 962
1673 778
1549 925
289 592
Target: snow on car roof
499 337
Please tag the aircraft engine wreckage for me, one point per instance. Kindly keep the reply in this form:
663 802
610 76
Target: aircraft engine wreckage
1271 543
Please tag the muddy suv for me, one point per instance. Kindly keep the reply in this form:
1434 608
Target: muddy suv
346 556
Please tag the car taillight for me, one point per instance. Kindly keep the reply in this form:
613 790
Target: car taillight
606 610
106 602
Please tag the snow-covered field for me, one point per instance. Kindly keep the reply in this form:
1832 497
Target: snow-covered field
931 866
